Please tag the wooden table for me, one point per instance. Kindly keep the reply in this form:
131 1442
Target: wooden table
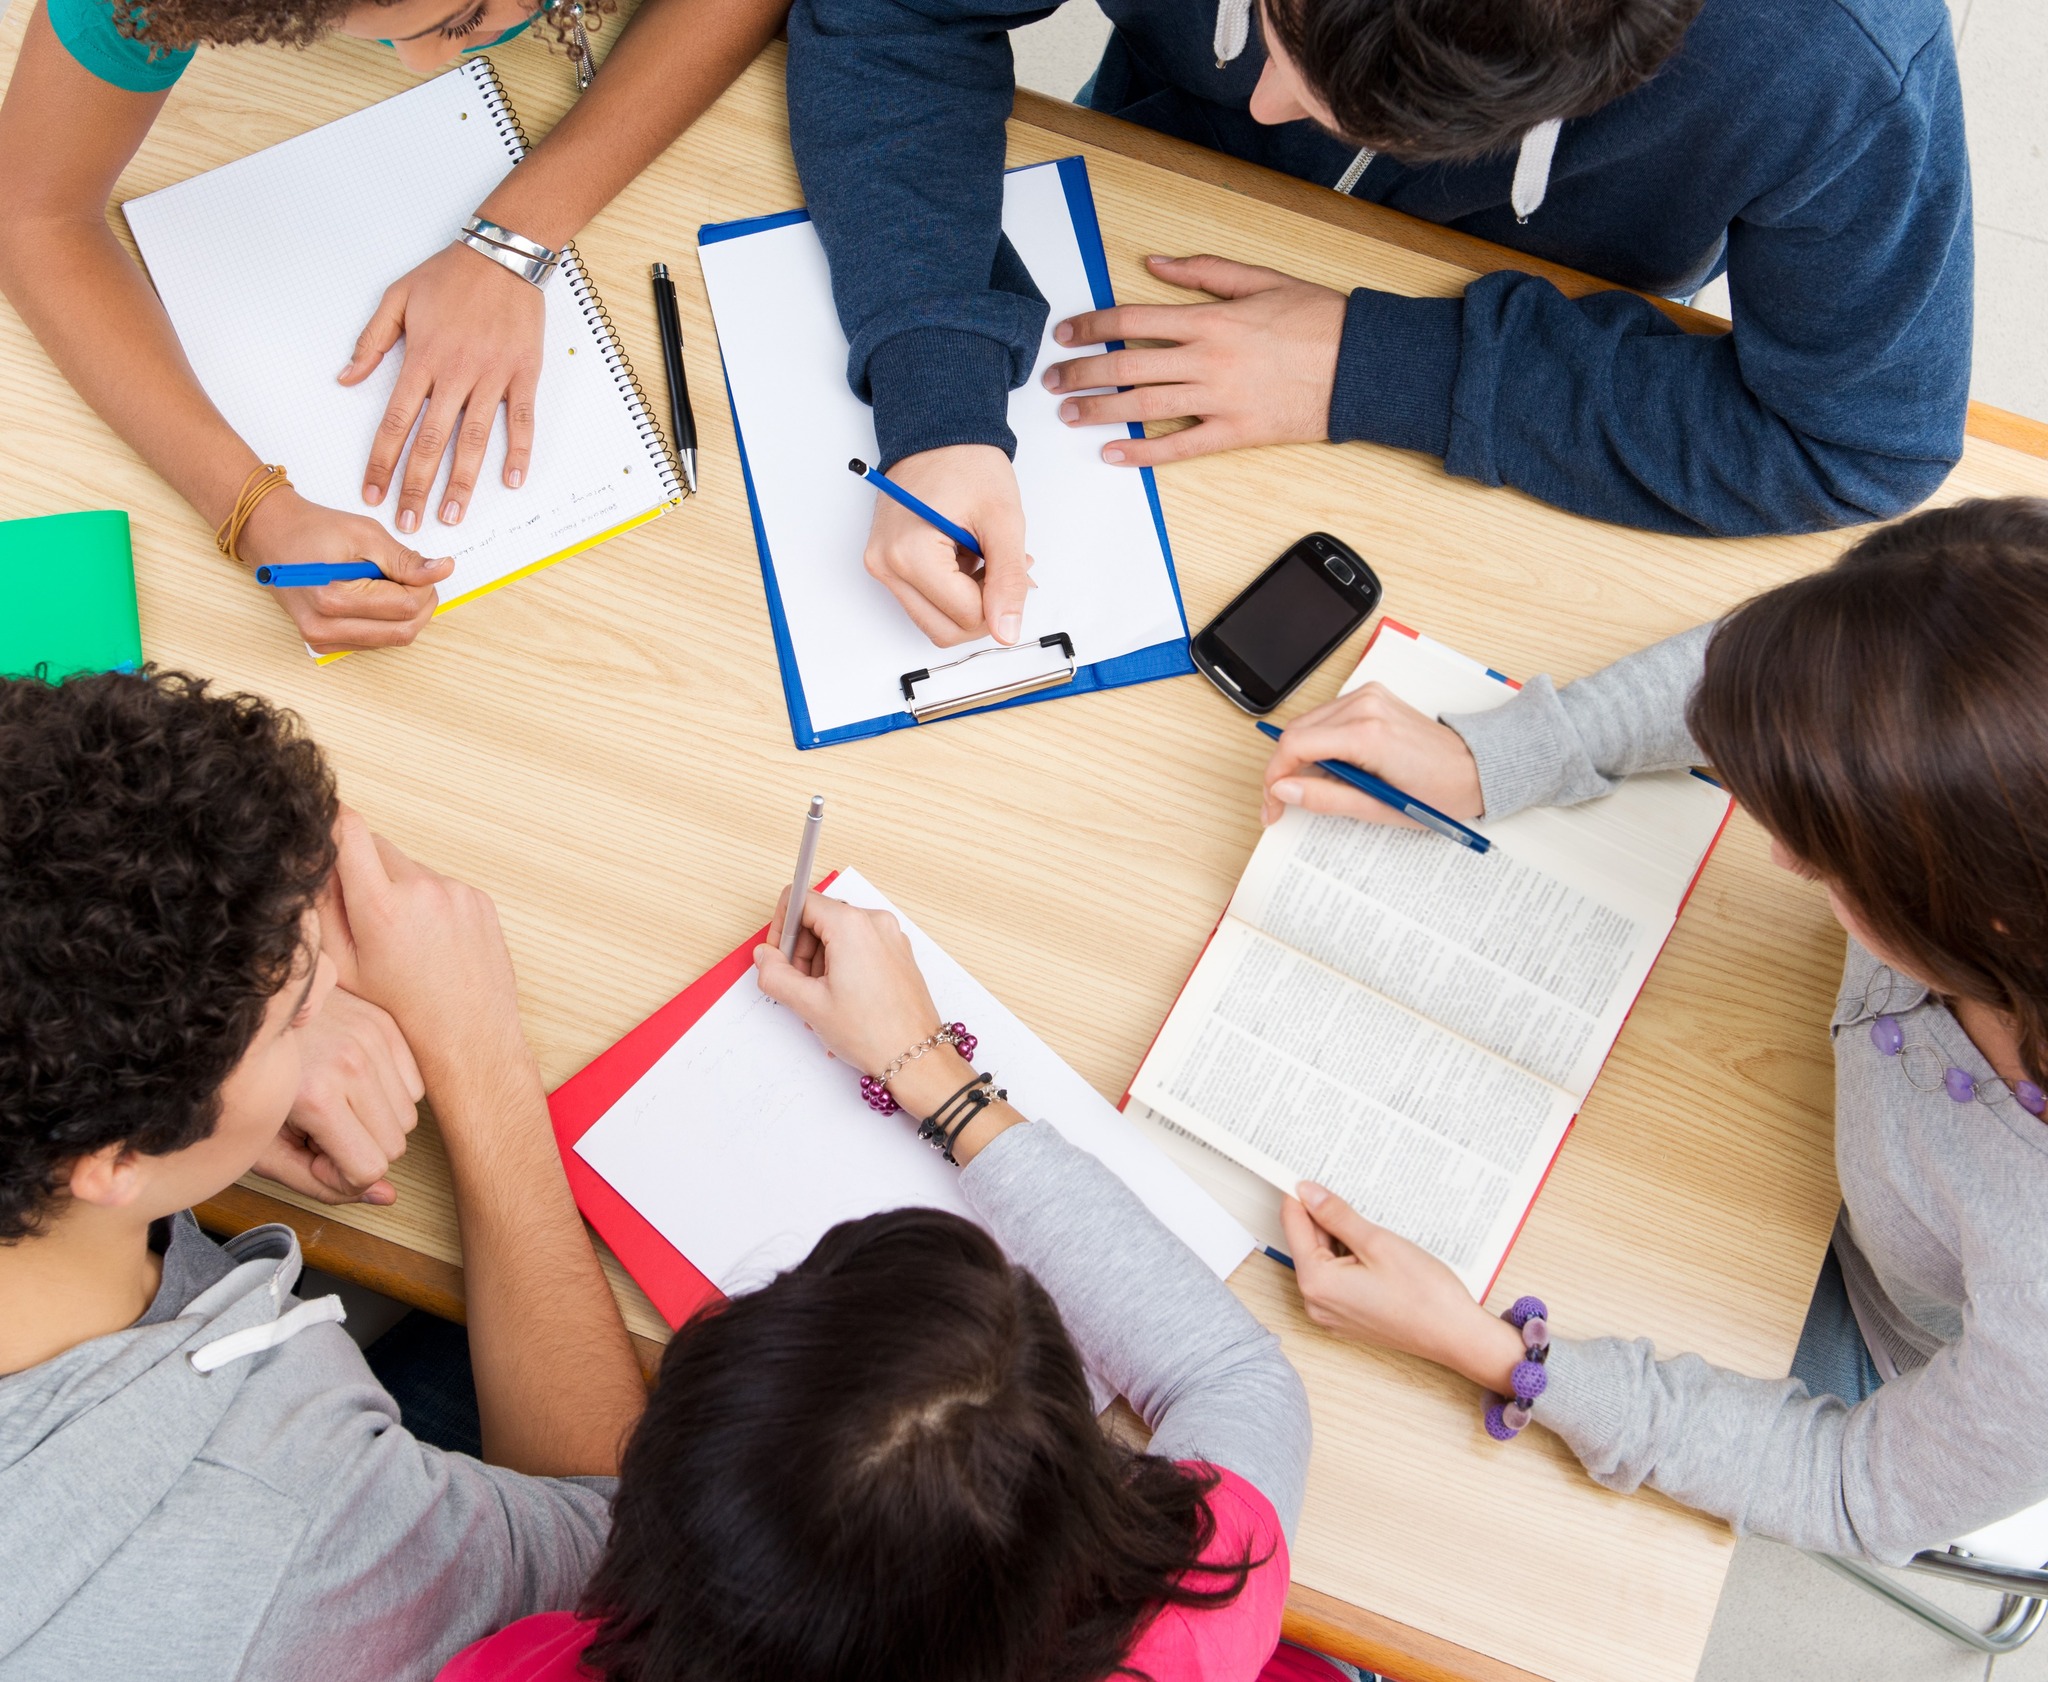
604 747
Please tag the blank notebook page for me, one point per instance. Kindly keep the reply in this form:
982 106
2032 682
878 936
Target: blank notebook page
1098 561
270 267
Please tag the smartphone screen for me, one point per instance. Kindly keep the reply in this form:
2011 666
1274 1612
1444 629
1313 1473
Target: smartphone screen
1260 647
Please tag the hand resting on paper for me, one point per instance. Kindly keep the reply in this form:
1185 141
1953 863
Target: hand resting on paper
358 1098
936 581
472 334
1374 729
1374 1286
857 986
1257 366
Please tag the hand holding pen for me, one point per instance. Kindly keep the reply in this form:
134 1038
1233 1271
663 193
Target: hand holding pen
950 593
1375 730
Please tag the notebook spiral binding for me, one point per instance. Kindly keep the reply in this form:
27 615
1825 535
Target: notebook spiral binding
499 104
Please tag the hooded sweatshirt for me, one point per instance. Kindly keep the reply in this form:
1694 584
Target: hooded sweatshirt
223 1491
1811 148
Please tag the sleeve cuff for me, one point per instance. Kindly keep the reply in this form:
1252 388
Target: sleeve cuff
1520 748
935 386
1396 368
1586 1401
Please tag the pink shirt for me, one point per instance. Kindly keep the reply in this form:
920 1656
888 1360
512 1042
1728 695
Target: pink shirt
1234 1643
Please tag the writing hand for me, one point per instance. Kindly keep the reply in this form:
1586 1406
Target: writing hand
974 486
358 1098
1257 367
385 612
1374 1286
1374 729
472 342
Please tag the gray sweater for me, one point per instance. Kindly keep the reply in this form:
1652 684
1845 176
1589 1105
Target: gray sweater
1943 1237
1145 1313
266 1518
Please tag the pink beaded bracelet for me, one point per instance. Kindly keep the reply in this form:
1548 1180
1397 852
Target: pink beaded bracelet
875 1088
1505 1416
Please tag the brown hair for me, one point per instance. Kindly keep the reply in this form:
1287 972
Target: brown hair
173 25
1887 720
885 1464
1442 81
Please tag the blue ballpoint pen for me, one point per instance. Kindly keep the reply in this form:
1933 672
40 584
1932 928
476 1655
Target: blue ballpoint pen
308 573
923 510
1388 795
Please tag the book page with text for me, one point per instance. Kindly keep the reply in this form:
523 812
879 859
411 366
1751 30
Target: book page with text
1299 1073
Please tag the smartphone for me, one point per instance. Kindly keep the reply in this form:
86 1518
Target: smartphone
1286 622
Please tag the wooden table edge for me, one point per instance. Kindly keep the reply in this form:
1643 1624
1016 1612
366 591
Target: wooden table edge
1313 1618
1409 233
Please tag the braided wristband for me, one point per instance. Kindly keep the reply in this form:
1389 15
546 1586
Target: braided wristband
875 1088
227 536
1505 1416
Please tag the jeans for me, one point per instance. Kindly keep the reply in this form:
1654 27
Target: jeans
424 1362
1832 1358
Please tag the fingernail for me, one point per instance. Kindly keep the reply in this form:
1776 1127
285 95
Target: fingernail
373 494
1112 453
1287 793
345 367
1010 626
516 477
408 520
1070 410
1064 332
1311 1195
451 511
1050 379
1158 259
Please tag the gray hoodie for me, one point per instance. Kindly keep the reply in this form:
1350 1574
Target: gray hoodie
224 1491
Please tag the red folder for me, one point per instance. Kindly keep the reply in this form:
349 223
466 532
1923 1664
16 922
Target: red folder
671 1281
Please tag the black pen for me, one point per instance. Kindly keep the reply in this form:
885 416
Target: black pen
681 420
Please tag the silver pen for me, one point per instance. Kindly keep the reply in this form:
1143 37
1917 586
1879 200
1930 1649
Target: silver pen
806 856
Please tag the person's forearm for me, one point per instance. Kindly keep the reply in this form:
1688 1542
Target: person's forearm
557 1385
672 61
96 315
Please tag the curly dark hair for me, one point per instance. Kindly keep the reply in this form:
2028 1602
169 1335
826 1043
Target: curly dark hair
159 847
1449 81
885 1464
173 25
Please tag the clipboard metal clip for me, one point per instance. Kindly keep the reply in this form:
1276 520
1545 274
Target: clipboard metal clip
987 676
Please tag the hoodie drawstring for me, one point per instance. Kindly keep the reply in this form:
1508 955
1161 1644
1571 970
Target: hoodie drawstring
1233 29
253 1340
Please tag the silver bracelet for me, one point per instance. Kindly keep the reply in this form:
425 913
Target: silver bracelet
533 270
498 234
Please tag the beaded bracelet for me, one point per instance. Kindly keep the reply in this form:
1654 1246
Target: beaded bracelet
875 1088
259 484
943 1127
1505 1417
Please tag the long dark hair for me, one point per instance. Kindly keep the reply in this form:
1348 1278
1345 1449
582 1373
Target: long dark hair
885 1467
1887 720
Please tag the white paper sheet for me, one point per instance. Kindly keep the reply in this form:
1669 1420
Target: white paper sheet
745 1142
270 266
1098 561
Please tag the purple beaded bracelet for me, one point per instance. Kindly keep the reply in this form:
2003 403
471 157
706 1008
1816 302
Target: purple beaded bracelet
1506 1417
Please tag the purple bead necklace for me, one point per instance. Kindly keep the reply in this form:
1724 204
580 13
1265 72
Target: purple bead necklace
1889 1037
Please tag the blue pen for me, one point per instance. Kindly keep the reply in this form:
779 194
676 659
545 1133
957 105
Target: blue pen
923 510
1388 795
315 572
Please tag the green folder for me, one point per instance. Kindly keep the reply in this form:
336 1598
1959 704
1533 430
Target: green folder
67 595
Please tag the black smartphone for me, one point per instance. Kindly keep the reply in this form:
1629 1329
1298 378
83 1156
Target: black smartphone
1286 622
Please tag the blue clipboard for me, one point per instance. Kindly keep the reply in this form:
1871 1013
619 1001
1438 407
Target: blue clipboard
1165 659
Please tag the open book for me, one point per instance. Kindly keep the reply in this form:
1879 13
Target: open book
1411 1023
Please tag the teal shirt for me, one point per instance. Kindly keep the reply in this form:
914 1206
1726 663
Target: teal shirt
89 34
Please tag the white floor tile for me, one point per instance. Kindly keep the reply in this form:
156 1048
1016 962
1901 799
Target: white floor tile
1784 1617
2010 367
2004 60
1058 54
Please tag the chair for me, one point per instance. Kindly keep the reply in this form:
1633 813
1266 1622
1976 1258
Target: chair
2004 1557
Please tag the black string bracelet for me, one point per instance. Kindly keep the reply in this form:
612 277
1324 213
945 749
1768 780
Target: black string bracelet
943 1127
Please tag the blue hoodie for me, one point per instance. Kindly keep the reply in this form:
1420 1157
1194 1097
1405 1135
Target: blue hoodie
1811 148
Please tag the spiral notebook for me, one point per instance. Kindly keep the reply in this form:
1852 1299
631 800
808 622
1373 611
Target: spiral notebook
271 265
